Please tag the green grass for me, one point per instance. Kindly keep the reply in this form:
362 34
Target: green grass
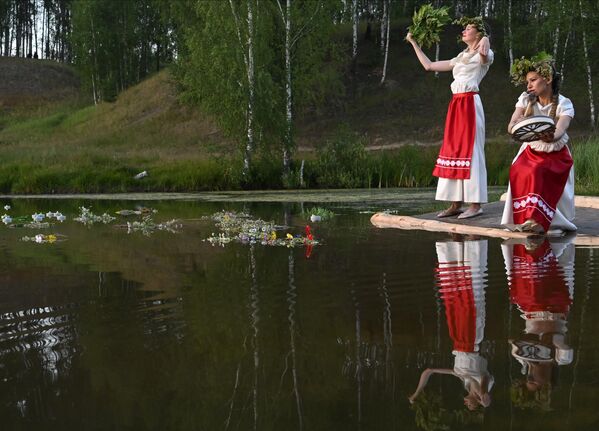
586 167
67 148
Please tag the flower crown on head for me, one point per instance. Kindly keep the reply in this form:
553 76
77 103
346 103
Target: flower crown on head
476 21
542 63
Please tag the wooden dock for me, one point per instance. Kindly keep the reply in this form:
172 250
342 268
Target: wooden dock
488 223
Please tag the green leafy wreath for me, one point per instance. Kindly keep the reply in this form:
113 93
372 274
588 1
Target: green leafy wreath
427 24
542 63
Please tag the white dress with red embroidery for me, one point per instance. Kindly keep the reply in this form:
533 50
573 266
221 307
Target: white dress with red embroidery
461 162
542 194
460 278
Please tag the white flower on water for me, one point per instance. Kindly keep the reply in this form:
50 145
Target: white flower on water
37 217
60 217
39 238
6 207
6 219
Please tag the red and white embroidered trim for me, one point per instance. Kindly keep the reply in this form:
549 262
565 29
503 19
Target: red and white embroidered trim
533 200
454 163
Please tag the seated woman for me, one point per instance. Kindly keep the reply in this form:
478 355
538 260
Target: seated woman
540 195
541 285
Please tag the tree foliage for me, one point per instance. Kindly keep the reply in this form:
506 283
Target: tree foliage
116 43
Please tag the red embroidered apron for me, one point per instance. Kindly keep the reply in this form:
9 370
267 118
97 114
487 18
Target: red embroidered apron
455 156
455 289
537 180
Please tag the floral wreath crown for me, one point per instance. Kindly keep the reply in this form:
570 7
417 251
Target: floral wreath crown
542 63
476 21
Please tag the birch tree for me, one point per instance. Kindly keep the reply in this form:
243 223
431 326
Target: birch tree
510 37
354 17
245 35
292 36
387 17
587 64
383 26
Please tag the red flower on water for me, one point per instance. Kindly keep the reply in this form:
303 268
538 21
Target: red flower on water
309 251
309 235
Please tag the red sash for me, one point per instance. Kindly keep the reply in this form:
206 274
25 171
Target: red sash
537 180
455 156
537 282
455 288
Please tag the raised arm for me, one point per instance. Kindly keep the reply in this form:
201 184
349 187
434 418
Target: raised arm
426 374
434 66
483 47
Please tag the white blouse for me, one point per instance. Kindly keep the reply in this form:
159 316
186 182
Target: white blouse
564 106
468 71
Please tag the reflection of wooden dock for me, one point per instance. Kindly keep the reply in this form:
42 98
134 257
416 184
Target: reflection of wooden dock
488 223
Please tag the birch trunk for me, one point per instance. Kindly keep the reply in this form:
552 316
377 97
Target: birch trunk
354 13
588 67
509 33
565 50
288 93
249 149
290 40
387 25
557 30
94 63
383 27
248 58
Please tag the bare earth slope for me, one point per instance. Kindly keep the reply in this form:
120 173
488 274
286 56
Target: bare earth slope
25 80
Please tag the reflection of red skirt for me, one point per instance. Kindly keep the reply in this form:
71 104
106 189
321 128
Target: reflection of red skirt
537 180
455 288
537 283
455 156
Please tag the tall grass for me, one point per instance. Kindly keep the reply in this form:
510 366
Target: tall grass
586 166
343 162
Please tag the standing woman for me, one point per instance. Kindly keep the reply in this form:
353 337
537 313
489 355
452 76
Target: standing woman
461 163
540 195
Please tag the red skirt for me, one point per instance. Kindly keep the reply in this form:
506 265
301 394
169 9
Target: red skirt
537 282
537 180
455 157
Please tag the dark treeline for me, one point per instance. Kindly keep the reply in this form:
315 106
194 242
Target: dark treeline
254 64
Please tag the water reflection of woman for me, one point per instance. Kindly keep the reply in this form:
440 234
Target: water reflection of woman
541 285
461 284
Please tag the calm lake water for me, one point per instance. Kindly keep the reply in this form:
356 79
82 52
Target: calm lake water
110 330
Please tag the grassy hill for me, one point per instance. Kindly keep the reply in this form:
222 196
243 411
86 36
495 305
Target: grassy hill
52 142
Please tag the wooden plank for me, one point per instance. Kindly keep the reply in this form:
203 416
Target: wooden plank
489 223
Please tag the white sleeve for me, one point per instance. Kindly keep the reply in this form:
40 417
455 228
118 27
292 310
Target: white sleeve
565 107
522 101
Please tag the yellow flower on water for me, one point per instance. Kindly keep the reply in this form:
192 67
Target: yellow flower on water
51 238
273 236
289 236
